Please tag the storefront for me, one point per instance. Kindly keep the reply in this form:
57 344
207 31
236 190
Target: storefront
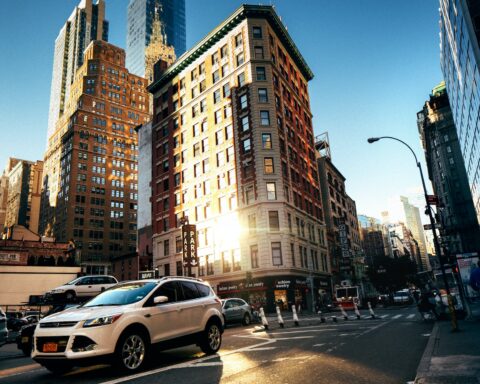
268 291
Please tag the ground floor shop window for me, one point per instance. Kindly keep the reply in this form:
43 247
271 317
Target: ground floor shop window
281 300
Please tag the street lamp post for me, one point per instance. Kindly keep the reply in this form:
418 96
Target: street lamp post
432 223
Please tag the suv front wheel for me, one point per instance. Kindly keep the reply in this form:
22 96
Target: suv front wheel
211 338
131 352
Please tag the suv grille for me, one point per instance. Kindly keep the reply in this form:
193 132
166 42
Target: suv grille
58 324
61 342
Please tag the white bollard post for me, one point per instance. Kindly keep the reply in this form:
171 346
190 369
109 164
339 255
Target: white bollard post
372 314
280 318
357 312
322 318
295 317
344 314
264 319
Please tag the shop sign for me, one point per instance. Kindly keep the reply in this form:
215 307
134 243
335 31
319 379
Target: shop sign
256 284
302 283
282 284
323 283
226 288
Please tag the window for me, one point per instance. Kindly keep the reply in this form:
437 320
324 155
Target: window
224 52
226 261
166 248
267 141
257 32
238 40
258 52
240 59
261 74
264 118
271 191
216 96
246 145
245 123
262 95
277 253
273 221
226 90
216 76
236 260
241 79
254 255
243 101
268 165
218 116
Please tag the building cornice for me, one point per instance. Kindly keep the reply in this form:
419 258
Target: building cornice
244 12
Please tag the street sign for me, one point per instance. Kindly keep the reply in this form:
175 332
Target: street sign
189 236
428 227
432 199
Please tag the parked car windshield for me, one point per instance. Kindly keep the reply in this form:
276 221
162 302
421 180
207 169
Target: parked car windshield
74 281
122 294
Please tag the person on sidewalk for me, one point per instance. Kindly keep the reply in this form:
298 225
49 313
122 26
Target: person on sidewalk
475 277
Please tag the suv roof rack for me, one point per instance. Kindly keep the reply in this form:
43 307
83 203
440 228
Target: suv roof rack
181 277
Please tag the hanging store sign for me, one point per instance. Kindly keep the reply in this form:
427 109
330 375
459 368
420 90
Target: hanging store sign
189 236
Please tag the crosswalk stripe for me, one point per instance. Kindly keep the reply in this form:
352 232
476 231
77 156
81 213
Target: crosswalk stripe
384 316
396 316
411 316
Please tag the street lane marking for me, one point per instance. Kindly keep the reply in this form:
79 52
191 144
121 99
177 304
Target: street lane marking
211 364
294 338
396 316
319 345
373 328
411 316
190 364
384 316
19 370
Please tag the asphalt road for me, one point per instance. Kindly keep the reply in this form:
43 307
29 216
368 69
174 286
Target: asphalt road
386 350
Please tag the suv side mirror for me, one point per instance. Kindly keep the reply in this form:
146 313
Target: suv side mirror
160 300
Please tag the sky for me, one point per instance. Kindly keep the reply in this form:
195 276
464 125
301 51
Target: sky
375 63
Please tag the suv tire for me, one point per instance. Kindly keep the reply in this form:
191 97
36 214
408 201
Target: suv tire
211 338
132 350
246 319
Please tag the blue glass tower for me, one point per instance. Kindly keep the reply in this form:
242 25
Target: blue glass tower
460 61
139 29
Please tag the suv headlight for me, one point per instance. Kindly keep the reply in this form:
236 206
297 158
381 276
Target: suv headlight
104 320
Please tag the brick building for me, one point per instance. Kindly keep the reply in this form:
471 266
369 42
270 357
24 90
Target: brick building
97 155
233 151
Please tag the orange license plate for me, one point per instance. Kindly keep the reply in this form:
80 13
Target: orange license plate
50 347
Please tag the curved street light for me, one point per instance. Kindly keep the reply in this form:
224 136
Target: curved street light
372 140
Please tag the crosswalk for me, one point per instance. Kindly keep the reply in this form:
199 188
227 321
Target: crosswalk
332 316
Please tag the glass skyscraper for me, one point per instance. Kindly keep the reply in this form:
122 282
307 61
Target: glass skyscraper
460 60
139 29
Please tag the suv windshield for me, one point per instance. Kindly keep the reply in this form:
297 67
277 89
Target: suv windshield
122 294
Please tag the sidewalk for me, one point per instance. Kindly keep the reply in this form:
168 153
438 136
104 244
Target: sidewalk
451 357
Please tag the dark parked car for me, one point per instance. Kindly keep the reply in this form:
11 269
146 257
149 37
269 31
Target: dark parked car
236 310
3 328
15 320
25 337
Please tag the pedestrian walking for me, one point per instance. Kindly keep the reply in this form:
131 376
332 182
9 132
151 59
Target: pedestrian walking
475 277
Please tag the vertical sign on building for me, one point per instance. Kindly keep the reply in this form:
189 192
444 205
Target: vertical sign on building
189 236
342 233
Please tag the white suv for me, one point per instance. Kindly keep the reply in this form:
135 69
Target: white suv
121 324
85 286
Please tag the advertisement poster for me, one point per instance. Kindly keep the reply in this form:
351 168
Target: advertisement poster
467 262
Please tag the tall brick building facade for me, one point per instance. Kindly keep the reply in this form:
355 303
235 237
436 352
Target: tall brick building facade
98 153
233 151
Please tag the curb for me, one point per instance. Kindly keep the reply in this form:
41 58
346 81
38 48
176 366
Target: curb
424 366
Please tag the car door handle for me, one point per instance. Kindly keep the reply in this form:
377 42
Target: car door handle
148 315
89 286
